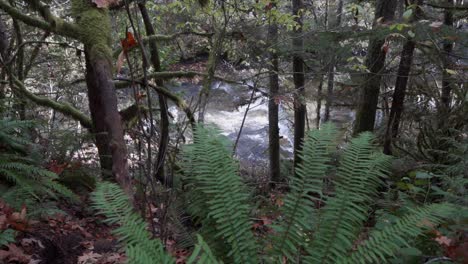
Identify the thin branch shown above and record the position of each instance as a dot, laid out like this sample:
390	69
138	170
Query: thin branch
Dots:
123	83
456	7
58	26
63	108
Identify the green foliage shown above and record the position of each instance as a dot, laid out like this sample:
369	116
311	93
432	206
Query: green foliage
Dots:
218	200
21	171
306	188
341	220
218	197
202	254
26	183
383	244
111	201
140	248
6	237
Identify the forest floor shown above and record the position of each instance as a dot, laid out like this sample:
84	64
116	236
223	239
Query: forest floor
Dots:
74	236
77	235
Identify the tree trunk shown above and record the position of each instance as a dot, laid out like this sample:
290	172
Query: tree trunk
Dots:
273	117
369	99
446	78
164	140
19	104
399	94
96	34
319	102
330	84
331	67
4	44
299	82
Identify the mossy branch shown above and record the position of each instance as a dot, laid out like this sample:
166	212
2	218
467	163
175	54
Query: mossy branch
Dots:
63	108
123	83
53	24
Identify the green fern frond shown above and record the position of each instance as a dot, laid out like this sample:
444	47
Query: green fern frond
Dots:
306	187
110	200
218	196
385	243
11	133
202	254
7	236
343	216
18	168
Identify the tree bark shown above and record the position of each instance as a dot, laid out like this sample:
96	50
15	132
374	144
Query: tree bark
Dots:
299	82
447	48
399	94
319	102
331	68
93	29
164	115
273	117
330	85
108	130
375	61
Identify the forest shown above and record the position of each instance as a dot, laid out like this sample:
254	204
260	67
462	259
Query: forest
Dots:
233	131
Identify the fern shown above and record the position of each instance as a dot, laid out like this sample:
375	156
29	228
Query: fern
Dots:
202	254
306	187
28	184
21	171
343	216
219	198
331	234
383	244
111	201
6	237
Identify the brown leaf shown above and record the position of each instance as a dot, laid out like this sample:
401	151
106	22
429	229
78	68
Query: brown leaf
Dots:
14	255
443	240
105	3
27	242
89	258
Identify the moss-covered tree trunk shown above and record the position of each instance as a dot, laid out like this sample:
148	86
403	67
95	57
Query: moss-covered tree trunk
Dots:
92	28
96	36
375	61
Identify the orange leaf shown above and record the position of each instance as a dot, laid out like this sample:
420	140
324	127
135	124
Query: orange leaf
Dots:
128	42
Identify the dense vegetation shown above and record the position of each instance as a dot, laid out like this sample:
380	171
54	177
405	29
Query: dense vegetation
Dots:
233	131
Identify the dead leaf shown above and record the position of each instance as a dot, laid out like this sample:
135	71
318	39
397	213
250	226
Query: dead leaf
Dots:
89	258
28	242
105	3
14	254
443	240
385	47
128	42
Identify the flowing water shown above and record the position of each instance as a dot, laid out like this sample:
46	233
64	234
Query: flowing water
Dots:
226	109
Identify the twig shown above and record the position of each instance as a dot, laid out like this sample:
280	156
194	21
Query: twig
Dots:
243	121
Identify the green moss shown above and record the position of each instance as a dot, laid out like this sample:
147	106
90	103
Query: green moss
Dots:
95	28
